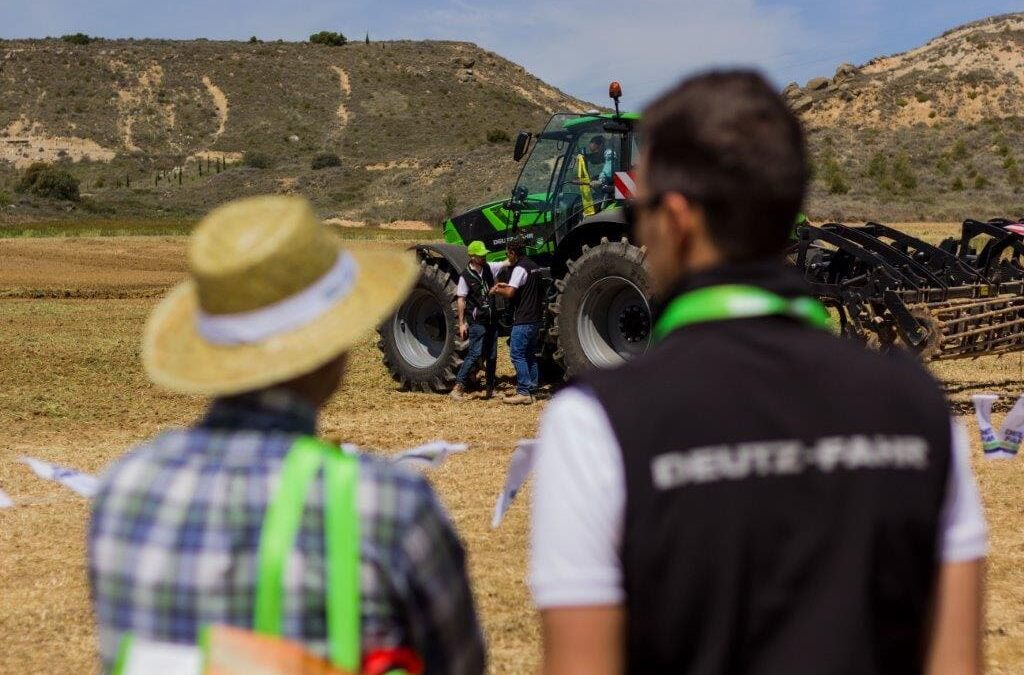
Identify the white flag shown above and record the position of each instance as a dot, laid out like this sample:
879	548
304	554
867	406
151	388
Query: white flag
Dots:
519	468
5	501
82	483
1013	429
429	455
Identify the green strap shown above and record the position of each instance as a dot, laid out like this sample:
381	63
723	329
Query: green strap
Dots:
280	528
720	303
341	534
341	523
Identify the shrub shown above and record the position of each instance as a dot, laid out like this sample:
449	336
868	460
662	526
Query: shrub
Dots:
78	39
498	136
257	160
878	166
5	199
329	38
324	160
835	181
921	97
49	182
942	166
959	152
958	184
980	183
254	40
904	174
449	205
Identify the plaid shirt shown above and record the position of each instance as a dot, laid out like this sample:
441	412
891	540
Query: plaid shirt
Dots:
175	531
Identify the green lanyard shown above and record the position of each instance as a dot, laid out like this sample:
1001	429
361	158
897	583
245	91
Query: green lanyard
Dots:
341	540
720	303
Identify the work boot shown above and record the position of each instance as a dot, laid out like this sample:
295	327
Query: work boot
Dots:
458	393
518	399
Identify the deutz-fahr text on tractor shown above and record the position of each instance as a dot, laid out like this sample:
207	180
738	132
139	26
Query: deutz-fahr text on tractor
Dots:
567	209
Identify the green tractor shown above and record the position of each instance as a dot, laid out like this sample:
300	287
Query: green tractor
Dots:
567	207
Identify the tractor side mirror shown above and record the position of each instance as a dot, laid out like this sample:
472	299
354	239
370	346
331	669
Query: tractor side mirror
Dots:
522	142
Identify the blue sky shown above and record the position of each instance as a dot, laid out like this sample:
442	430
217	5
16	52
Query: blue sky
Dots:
576	45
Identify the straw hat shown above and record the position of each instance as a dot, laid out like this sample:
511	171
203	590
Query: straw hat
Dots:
271	296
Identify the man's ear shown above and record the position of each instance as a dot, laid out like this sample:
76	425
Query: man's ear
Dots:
683	220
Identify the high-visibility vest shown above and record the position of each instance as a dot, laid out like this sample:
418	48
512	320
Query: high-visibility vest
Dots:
583	178
232	651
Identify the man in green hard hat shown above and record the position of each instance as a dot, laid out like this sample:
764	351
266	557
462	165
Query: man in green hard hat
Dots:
477	319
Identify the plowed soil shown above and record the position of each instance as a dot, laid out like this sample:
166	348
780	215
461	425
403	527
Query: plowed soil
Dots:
72	391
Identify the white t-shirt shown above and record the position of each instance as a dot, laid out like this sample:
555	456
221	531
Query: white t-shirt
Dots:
518	278
579	497
462	290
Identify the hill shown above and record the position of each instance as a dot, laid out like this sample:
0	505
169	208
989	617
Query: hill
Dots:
934	133
421	128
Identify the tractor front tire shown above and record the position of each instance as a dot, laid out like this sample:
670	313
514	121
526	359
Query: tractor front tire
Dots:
602	314
419	342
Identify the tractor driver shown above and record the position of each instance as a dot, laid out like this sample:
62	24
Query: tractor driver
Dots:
601	166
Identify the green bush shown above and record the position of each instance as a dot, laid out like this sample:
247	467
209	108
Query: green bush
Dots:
257	160
904	174
980	183
878	166
498	136
254	40
329	38
833	176
921	97
958	185
45	180
5	199
78	39
324	160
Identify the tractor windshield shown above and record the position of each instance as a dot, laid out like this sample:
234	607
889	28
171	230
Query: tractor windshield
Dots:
545	161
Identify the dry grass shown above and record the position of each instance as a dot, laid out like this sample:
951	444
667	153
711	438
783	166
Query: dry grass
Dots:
71	391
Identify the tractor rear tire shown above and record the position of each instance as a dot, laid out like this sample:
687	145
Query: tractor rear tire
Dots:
602	313
419	342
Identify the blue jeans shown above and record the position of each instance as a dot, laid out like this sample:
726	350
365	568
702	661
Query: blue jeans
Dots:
482	340
523	346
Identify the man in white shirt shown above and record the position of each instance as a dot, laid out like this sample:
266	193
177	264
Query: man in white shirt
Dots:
754	495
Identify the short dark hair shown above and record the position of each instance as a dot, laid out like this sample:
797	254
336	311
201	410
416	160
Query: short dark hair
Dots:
516	245
599	140
727	141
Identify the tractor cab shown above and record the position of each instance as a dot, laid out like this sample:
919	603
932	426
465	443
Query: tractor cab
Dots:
578	166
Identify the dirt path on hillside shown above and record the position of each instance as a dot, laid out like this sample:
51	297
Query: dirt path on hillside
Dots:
220	101
346	91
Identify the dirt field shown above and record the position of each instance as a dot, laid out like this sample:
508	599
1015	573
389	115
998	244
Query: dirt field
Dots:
72	391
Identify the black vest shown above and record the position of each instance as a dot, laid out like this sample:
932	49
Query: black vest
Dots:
530	296
784	488
479	304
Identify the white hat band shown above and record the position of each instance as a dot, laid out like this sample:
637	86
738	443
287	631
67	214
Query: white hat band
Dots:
285	315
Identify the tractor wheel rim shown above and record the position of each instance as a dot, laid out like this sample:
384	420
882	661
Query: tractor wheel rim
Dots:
420	329
614	322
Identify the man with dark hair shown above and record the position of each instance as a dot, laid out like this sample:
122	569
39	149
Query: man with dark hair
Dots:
526	287
600	164
755	494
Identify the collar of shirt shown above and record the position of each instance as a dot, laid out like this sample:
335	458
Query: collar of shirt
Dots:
269	410
772	275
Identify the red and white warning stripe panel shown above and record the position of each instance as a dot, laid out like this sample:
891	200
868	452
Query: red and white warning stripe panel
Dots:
625	184
1016	228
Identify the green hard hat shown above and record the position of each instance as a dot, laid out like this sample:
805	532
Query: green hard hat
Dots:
477	248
